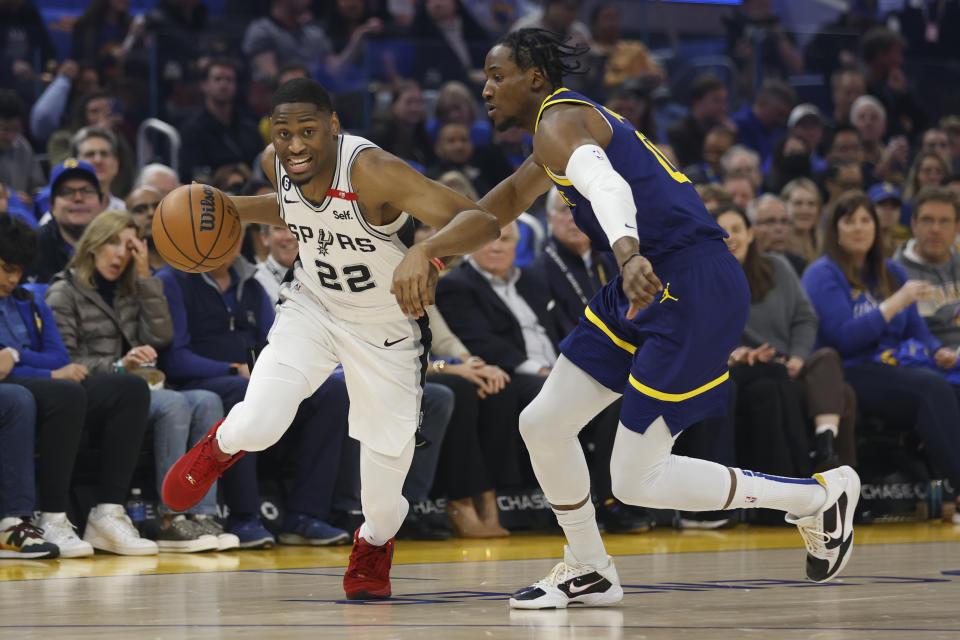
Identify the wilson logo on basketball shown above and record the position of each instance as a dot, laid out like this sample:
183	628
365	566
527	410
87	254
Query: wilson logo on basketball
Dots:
208	207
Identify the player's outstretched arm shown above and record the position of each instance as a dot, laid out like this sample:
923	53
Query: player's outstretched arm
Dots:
516	193
261	209
390	184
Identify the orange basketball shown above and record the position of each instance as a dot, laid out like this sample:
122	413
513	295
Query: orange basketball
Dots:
196	228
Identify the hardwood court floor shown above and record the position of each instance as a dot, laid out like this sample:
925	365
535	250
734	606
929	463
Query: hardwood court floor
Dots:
903	581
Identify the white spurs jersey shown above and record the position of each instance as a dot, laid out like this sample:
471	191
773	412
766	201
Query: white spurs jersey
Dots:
344	260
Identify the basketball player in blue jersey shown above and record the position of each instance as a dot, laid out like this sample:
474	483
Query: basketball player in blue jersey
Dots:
349	204
659	335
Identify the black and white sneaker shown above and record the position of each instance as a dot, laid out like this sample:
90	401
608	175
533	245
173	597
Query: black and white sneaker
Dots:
571	583
828	534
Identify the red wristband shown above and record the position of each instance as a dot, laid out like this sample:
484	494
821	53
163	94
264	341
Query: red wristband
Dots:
438	263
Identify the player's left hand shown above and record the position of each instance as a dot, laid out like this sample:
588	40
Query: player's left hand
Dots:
640	284
945	358
414	283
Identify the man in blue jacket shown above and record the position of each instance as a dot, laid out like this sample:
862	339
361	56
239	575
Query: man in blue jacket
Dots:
220	319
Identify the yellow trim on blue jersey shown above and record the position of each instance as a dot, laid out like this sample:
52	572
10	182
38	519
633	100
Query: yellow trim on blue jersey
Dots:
543	105
560	181
623	344
676	397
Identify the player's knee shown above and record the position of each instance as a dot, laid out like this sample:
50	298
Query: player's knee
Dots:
635	489
535	423
248	429
633	480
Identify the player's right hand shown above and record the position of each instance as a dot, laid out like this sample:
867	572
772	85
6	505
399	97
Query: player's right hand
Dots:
640	284
414	283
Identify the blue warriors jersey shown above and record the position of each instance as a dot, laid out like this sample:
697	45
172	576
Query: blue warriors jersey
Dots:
670	213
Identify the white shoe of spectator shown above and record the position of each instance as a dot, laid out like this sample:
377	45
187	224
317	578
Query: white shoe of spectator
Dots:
110	529
58	529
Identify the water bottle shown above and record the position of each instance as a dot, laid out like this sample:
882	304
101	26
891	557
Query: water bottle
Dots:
935	499
136	508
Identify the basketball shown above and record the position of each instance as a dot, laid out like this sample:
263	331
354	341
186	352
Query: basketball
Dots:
196	228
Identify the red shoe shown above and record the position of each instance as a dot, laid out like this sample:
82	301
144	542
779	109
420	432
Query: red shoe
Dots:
189	479
368	576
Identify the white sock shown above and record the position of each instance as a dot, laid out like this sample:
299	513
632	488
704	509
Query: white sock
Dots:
796	496
10	521
583	535
822	428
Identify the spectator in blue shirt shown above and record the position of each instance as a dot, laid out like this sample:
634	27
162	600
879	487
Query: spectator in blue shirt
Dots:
761	124
867	311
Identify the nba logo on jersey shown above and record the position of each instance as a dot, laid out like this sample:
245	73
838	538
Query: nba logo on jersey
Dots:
598	154
324	240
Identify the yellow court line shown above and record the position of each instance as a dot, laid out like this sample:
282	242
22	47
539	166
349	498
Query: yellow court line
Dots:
519	546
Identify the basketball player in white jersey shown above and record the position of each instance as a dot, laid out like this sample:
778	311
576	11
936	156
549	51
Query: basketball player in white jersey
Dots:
350	205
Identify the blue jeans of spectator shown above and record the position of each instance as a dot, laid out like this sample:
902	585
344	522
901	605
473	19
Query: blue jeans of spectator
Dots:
180	419
18	417
311	448
437	407
917	397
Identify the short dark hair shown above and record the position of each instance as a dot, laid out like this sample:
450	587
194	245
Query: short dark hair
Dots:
839	73
221	61
704	84
834	167
18	242
879	40
292	65
302	90
830	137
544	50
776	90
936	194
11	106
600	7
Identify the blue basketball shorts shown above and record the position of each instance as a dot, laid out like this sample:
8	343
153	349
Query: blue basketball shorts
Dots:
671	359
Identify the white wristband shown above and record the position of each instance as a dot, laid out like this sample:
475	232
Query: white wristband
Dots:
609	194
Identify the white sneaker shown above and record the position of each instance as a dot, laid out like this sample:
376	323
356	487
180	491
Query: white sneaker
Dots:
60	531
571	583
828	534
110	529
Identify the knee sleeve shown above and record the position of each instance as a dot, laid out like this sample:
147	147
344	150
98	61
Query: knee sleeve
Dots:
569	399
637	462
644	472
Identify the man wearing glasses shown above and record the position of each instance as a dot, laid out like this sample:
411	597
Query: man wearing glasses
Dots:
75	200
772	224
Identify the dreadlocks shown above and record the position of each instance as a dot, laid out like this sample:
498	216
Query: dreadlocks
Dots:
544	50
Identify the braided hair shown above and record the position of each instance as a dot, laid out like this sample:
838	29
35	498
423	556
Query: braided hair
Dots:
544	50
